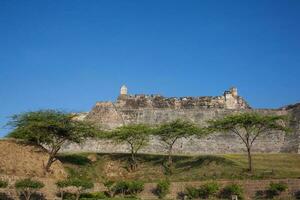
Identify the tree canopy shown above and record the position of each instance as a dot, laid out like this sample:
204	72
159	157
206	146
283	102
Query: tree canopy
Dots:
135	135
249	126
50	129
170	132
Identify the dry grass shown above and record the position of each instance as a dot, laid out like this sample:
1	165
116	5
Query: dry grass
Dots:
20	159
186	168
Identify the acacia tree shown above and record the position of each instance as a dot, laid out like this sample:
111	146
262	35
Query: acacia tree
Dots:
28	187
78	184
248	127
50	129
170	132
136	136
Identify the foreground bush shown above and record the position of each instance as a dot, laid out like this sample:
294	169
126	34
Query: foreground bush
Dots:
209	189
128	187
191	192
162	188
80	185
28	187
3	183
276	189
232	189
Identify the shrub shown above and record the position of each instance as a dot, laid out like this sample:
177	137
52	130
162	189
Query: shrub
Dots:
128	187
3	183
94	195
232	189
162	188
191	192
276	188
80	184
28	187
209	189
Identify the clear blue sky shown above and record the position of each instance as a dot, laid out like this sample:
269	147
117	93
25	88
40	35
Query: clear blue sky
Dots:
68	54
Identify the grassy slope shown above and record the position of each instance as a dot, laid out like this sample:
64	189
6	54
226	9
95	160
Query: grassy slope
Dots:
186	168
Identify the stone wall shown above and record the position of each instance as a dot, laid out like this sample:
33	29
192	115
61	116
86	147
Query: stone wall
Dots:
110	117
156	109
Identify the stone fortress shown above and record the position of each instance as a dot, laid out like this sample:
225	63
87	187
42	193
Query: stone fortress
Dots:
155	109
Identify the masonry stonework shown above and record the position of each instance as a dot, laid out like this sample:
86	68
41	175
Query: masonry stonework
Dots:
155	109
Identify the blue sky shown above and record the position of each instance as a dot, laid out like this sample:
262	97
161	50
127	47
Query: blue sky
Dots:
69	54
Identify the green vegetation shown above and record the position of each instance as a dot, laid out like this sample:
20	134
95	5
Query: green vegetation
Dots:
162	188
170	132
208	190
205	191
248	127
186	168
52	128
276	188
28	187
80	184
191	192
130	188
3	183
232	189
136	136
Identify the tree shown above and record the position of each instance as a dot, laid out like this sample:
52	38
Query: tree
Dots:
170	132
136	136
27	187
79	185
50	128
248	127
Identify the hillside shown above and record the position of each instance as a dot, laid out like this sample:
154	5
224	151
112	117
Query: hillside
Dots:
21	159
100	167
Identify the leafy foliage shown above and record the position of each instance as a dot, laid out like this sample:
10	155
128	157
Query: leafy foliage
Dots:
163	188
170	132
249	126
276	188
28	187
28	184
232	189
209	189
191	192
80	183
3	183
128	187
136	136
50	128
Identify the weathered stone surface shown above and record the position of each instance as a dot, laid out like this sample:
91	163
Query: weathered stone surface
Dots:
155	109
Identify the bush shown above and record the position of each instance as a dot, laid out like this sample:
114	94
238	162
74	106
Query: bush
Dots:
128	187
3	183
276	188
84	184
28	187
162	188
233	189
28	184
191	192
209	189
78	183
95	195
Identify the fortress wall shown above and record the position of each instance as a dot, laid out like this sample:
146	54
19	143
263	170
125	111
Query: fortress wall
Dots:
109	116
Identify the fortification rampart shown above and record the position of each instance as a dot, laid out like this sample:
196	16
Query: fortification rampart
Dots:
156	109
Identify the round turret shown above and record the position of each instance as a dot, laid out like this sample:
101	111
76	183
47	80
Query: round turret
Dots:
123	90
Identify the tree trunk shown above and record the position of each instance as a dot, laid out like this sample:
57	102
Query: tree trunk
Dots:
27	195
249	159
49	163
170	161
77	195
133	164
